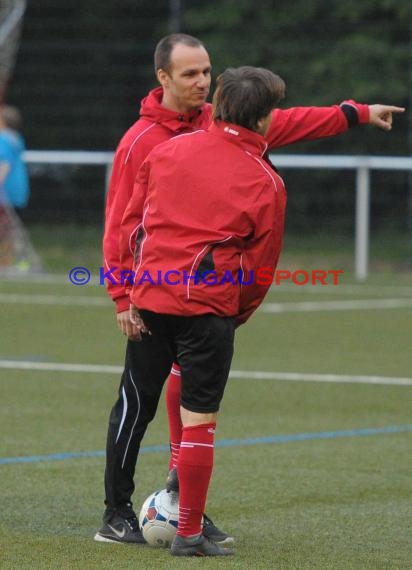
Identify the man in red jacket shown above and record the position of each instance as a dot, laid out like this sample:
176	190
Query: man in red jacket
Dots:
209	212
177	107
183	69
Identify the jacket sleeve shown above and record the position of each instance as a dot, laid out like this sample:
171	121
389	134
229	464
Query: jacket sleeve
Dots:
120	190
131	227
310	123
261	254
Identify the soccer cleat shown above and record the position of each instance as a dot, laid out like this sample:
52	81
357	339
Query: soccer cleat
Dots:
120	529
172	482
212	532
197	546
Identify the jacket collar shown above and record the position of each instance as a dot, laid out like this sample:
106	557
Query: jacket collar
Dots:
249	140
152	109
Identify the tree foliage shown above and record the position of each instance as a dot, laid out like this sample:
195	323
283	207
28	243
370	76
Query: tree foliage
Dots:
84	66
326	50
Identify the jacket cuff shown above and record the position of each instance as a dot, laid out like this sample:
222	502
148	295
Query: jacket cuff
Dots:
355	113
363	114
122	304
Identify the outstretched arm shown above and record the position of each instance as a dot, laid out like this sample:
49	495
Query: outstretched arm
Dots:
298	124
289	126
382	115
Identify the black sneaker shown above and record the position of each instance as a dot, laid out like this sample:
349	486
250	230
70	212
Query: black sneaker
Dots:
172	482
212	532
197	546
120	529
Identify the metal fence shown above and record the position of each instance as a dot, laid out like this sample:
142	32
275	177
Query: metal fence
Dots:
362	165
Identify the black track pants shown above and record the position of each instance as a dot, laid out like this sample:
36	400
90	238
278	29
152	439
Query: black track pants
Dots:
147	365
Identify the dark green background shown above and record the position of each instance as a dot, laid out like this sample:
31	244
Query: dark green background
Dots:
83	67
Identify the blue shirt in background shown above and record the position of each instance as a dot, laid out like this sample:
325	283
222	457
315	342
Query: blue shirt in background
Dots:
15	189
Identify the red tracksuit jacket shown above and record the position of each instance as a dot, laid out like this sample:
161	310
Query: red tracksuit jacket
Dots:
157	124
213	215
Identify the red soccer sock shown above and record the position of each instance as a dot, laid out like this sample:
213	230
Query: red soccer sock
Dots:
194	467
173	389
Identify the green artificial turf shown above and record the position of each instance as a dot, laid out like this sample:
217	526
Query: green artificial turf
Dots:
319	498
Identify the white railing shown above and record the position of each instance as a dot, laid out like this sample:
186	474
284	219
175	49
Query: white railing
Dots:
361	164
83	157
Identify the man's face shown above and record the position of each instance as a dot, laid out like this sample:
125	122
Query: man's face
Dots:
187	85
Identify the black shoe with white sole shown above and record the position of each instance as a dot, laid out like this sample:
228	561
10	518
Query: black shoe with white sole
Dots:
212	532
120	529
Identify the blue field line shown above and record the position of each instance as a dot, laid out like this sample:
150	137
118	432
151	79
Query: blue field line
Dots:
223	443
311	436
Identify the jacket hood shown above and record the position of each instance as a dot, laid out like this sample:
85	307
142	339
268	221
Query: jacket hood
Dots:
152	109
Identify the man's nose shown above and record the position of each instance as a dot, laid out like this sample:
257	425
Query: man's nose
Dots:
202	80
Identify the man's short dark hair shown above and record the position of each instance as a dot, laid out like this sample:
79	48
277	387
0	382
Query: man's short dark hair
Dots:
165	46
244	95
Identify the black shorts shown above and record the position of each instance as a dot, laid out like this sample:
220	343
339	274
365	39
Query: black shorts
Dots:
203	347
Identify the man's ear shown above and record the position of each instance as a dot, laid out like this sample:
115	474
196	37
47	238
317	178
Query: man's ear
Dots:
259	125
263	124
163	77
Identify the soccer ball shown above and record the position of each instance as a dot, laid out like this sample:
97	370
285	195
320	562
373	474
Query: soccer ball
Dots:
158	518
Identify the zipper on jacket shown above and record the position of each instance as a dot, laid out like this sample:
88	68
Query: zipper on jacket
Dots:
208	248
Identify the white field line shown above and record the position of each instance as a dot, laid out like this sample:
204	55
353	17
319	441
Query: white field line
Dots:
235	374
60	367
347	289
353	289
356	305
63	300
303	306
42	278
